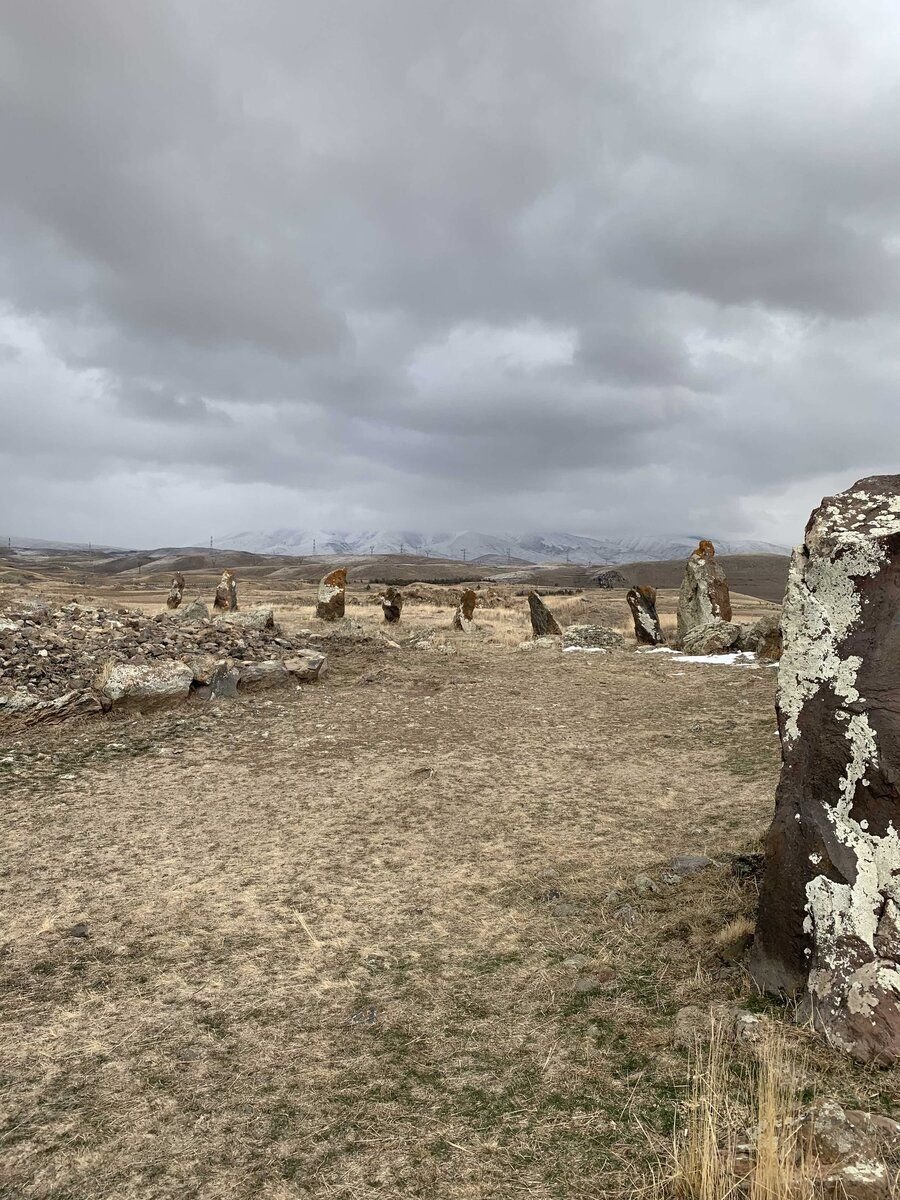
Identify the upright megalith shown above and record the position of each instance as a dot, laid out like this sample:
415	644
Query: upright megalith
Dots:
704	597
543	622
226	593
332	595
829	917
391	604
642	602
464	617
176	592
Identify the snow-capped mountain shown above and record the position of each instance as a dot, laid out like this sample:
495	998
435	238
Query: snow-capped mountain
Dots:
470	545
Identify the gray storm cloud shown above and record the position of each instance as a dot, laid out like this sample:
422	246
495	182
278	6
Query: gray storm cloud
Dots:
591	266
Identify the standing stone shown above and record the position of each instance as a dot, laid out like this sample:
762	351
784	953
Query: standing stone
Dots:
332	595
391	605
829	917
704	596
176	592
642	602
543	622
464	617
226	593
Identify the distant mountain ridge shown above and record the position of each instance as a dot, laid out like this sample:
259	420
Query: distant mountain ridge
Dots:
473	546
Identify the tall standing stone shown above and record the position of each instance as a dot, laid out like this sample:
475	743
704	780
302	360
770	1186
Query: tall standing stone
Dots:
704	597
176	592
829	917
543	622
464	617
332	595
642	602
226	593
391	605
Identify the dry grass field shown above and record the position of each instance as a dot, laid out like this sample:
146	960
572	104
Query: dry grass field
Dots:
384	936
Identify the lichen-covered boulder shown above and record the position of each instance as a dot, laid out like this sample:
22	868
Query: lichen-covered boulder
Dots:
764	638
176	592
391	604
642	602
226	593
145	686
269	673
332	595
830	898
719	637
704	597
195	611
261	617
543	622
592	637
464	617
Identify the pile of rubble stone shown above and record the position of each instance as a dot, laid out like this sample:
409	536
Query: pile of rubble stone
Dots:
57	661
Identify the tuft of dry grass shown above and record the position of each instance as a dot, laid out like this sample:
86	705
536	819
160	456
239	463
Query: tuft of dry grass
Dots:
729	1100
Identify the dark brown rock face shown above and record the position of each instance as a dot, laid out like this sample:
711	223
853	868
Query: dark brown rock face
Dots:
176	592
226	593
464	617
828	919
392	605
704	596
543	622
647	629
332	595
764	638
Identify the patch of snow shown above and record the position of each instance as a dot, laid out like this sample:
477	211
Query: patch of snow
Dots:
583	650
740	658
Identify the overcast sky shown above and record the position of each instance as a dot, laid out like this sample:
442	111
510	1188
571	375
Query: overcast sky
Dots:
486	264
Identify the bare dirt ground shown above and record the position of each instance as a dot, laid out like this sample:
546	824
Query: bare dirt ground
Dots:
379	936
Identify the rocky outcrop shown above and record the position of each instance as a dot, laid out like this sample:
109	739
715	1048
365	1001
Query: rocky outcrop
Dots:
704	597
464	617
592	637
332	595
719	637
647	629
176	592
391	604
226	593
49	667
543	622
764	638
611	579
829	917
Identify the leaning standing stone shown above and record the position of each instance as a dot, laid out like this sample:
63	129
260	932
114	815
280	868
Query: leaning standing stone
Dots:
176	592
543	622
704	596
642	602
464	617
332	595
829	918
391	605
226	593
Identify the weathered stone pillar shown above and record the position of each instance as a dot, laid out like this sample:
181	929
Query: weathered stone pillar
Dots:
642	602
392	605
704	598
332	595
464	617
543	622
226	593
176	592
829	918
